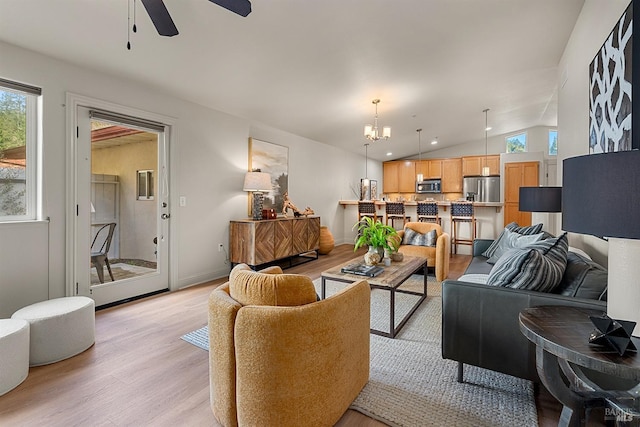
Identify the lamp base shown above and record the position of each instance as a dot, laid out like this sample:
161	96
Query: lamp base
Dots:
256	210
623	292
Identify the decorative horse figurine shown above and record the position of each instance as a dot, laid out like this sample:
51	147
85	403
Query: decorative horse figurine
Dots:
288	204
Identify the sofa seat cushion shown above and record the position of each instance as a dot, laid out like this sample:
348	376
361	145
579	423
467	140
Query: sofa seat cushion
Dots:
480	279
269	287
515	228
412	237
478	265
537	267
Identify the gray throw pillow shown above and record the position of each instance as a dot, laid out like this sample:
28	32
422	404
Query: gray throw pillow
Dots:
514	227
537	267
511	240
412	237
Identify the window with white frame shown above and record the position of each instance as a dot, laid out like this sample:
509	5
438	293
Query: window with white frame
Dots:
517	143
18	151
145	185
553	142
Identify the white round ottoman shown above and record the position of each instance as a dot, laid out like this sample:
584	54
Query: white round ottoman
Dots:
14	353
60	328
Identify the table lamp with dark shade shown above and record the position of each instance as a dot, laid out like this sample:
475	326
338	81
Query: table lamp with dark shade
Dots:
540	199
601	197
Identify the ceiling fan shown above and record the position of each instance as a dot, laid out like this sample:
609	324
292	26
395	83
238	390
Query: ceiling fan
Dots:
164	24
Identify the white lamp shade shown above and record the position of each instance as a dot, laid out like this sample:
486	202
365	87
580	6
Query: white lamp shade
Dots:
368	130
386	132
486	171
257	181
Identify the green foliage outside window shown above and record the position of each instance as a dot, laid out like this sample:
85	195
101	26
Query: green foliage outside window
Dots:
553	142
13	134
13	120
517	143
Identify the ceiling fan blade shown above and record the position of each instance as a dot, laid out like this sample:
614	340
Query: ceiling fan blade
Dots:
160	17
241	7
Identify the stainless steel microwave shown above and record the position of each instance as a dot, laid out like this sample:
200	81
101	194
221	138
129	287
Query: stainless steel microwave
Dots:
428	186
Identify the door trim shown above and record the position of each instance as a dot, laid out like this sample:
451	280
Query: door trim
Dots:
73	101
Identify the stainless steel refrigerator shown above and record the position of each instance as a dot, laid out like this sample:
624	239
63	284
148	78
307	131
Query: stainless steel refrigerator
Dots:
482	188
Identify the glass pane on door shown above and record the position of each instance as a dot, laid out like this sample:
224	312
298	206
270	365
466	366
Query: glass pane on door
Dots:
124	211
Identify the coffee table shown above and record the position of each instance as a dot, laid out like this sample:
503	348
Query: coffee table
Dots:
389	280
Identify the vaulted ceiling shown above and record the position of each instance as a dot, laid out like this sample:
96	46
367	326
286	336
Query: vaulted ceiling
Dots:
312	68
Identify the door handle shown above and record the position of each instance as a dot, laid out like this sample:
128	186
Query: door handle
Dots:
165	216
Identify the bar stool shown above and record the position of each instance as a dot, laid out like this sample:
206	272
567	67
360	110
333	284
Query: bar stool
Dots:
393	211
367	208
428	212
462	212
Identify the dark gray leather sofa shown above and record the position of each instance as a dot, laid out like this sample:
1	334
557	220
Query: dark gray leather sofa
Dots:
480	322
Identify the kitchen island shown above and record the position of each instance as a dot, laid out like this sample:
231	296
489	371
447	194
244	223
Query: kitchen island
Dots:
489	218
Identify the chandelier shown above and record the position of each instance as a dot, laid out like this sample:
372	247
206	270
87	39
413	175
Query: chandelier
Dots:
371	132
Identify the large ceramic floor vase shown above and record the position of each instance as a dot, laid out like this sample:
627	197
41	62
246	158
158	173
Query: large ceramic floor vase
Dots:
326	241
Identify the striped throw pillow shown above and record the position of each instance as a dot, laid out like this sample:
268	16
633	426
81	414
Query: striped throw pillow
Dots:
537	267
412	237
515	228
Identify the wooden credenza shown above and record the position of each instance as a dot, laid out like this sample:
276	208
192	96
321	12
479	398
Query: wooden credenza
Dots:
259	242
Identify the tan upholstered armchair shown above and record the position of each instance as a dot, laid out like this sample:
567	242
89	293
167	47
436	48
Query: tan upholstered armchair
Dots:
437	256
278	357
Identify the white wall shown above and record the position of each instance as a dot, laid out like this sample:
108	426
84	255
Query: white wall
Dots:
537	140
210	152
594	24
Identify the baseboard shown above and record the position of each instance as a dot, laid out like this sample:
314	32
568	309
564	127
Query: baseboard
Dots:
202	278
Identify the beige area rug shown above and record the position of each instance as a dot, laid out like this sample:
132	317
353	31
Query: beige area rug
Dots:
380	300
411	385
120	271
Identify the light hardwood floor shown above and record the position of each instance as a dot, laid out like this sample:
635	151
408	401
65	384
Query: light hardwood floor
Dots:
140	372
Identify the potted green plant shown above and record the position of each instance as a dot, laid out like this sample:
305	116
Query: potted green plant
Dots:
394	241
375	234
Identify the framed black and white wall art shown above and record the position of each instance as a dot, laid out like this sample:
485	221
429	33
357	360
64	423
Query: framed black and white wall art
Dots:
610	83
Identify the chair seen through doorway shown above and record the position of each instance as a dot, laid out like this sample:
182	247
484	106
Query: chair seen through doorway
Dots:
100	250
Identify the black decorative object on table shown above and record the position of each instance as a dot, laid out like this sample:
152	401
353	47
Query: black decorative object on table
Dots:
612	333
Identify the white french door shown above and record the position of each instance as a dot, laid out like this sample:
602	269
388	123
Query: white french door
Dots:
120	177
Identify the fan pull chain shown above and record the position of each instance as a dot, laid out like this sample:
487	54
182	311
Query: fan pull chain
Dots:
135	29
128	24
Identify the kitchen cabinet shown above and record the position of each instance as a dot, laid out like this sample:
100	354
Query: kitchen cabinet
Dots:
516	175
407	176
259	242
472	165
430	169
390	177
399	176
494	164
452	175
435	169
